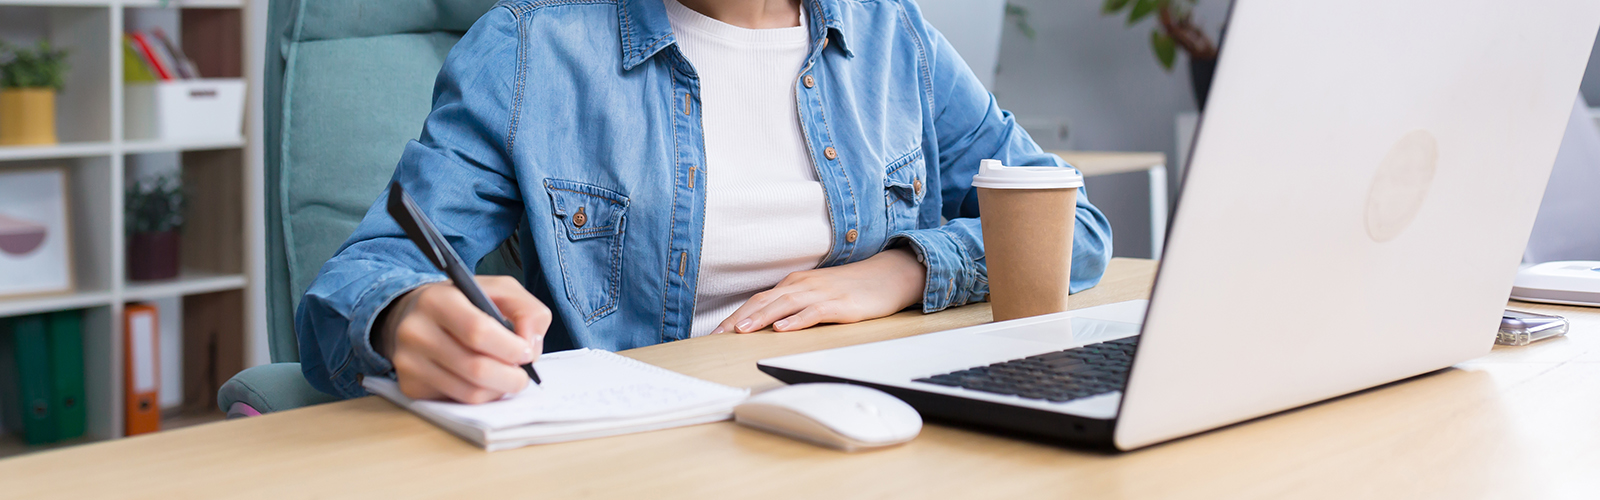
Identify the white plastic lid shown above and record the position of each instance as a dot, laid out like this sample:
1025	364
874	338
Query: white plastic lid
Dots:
993	175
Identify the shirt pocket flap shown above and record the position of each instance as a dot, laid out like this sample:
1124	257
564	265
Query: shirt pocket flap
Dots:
587	211
903	177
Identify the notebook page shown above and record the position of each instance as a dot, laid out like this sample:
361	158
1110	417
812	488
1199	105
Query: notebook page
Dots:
590	385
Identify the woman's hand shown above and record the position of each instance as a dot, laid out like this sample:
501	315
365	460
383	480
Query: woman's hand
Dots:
443	347
879	286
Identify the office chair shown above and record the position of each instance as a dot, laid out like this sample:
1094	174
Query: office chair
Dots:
348	82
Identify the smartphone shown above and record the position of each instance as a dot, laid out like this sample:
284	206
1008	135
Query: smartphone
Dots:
1523	328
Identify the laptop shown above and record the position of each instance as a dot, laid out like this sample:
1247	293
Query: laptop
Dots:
1361	189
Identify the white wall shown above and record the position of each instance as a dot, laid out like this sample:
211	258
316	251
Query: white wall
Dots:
1100	78
1591	80
973	28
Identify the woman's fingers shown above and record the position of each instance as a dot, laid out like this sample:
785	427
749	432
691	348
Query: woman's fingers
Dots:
477	369
779	308
453	350
756	302
820	312
422	379
480	370
472	328
530	317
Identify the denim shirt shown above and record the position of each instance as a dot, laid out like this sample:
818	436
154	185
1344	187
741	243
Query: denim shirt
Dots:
579	121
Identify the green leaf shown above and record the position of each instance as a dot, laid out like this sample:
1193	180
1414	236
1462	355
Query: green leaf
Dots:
1019	14
1141	10
1112	6
44	66
1166	49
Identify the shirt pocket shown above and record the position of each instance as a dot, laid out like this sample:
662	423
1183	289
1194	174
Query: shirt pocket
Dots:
590	224
903	190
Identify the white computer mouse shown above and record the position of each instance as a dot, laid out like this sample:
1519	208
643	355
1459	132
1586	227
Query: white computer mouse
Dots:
843	416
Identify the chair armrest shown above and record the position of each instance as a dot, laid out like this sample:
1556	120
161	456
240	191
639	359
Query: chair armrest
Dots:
268	388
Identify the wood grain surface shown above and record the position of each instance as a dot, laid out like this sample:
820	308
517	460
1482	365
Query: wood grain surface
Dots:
1517	423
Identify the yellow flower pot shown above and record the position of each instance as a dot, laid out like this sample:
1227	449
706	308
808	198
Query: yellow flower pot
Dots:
27	116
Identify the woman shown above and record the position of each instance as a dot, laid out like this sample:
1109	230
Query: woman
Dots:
678	170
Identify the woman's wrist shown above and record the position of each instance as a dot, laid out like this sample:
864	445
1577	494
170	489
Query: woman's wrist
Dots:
906	269
388	321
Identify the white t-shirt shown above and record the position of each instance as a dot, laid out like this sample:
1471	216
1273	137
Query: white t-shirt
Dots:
766	213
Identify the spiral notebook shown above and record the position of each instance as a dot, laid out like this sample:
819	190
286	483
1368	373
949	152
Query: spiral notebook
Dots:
586	394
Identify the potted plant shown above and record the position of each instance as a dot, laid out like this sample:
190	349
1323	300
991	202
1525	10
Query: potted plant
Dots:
1176	29
154	217
29	80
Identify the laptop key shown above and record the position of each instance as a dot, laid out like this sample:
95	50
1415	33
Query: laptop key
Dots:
1055	376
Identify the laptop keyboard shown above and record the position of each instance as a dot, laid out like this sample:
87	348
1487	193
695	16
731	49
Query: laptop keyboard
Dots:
1056	376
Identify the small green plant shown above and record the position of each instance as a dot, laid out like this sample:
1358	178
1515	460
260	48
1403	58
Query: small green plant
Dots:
155	206
1177	28
43	66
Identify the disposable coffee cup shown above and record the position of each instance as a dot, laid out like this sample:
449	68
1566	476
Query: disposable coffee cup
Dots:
1028	215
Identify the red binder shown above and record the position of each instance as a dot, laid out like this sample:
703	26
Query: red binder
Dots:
142	381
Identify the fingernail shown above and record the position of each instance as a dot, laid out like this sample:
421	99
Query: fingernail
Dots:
527	355
745	324
780	324
719	329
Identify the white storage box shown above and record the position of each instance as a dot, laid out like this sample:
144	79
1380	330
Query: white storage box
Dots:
184	110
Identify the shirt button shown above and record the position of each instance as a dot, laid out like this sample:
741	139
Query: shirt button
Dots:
916	186
809	81
831	153
850	236
580	218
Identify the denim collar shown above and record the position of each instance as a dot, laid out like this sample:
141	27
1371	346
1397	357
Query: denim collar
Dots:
645	29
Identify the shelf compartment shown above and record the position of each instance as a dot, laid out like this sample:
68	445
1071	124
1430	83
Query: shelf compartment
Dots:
84	31
213	233
89	212
188	282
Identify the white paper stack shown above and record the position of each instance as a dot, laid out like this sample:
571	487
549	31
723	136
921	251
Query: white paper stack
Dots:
586	394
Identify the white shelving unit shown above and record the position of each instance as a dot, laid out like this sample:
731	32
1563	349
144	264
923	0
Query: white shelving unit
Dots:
221	258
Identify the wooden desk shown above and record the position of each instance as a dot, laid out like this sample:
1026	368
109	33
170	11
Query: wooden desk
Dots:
1096	163
1518	423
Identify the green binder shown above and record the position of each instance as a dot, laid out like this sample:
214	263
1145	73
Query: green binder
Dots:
66	364
10	418
27	354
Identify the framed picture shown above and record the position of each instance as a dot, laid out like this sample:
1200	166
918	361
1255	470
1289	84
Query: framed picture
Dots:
35	232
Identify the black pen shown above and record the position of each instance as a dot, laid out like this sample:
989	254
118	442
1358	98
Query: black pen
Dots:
433	245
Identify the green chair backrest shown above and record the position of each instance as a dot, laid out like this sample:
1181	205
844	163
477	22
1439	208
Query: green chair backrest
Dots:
348	82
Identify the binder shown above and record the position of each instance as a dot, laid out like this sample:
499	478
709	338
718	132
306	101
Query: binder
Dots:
27	365
10	416
140	378
151	57
10	420
65	343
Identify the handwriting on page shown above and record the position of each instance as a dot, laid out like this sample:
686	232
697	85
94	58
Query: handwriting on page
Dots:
587	386
623	399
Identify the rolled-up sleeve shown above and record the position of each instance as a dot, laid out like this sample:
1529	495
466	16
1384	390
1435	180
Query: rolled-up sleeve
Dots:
970	127
459	172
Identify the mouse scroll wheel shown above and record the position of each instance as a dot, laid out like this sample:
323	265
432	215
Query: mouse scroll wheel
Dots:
868	408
